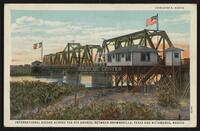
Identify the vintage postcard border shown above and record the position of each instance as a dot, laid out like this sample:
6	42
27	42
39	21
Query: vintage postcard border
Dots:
76	123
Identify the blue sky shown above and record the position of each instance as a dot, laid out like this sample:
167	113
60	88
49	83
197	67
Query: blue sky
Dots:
56	28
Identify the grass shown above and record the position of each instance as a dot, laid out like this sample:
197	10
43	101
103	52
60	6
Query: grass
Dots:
20	71
28	95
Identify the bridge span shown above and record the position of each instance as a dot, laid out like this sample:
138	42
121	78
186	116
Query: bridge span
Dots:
92	59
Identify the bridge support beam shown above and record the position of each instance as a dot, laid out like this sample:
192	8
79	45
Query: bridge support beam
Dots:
145	78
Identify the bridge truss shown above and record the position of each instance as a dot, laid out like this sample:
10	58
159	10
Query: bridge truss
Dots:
81	55
76	55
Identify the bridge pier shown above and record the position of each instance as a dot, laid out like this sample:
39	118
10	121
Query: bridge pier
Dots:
101	79
137	78
72	78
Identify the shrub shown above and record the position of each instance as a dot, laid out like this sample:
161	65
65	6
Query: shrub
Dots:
110	112
166	98
106	111
28	95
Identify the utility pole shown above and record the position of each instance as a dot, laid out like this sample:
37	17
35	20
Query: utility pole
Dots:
157	27
42	52
77	87
157	23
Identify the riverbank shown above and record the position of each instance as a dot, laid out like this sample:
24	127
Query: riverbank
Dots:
91	103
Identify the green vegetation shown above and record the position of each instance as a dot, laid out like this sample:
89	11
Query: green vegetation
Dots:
28	95
20	73
20	70
47	101
94	111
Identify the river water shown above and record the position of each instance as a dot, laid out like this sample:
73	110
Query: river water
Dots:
85	80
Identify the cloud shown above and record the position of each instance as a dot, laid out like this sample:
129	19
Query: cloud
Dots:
55	35
180	18
29	23
22	45
24	59
29	20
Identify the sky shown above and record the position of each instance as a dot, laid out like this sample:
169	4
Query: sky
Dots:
56	28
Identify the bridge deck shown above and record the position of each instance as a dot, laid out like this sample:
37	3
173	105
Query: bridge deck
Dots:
141	69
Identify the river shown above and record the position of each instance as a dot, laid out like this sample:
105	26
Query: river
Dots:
85	80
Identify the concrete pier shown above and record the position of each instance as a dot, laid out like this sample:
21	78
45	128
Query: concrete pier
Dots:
101	80
97	79
72	78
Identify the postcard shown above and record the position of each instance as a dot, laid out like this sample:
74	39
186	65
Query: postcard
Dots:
100	65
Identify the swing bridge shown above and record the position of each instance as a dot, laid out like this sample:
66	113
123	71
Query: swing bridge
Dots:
92	59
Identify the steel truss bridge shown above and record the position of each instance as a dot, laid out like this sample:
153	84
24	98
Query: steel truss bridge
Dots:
84	55
92	58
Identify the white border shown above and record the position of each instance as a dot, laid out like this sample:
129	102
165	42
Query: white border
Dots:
115	7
